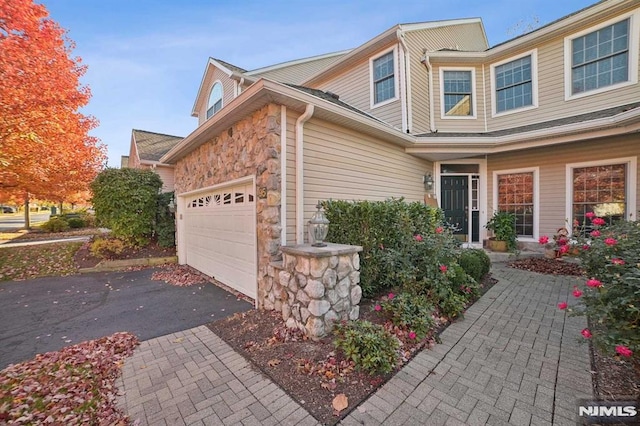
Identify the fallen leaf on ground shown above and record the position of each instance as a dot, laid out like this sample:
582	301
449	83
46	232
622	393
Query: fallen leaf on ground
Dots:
273	362
340	402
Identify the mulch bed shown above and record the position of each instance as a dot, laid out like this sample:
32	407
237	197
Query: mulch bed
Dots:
84	259
547	266
313	373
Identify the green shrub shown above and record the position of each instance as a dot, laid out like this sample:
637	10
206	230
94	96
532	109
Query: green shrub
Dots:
475	263
611	296
76	223
383	229
165	222
371	347
105	248
410	312
55	224
125	200
89	219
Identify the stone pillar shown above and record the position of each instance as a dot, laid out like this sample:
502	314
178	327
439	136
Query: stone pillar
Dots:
316	286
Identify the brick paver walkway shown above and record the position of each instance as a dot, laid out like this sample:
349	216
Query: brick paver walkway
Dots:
514	359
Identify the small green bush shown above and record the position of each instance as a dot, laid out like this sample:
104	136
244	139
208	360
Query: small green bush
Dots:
105	248
76	223
475	263
410	312
56	224
165	222
371	347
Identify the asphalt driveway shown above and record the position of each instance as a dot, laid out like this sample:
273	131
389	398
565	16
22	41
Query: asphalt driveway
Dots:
47	314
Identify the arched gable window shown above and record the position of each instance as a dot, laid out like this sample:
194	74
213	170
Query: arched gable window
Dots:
215	100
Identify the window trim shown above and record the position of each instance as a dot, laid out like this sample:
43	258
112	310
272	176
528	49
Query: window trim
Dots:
632	173
534	83
207	107
536	197
634	46
474	108
395	97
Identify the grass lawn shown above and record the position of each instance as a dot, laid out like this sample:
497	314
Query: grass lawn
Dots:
21	263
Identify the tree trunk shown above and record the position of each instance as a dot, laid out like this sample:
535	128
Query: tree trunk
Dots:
27	215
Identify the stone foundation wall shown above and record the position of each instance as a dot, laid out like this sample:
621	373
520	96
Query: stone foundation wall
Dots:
315	287
251	147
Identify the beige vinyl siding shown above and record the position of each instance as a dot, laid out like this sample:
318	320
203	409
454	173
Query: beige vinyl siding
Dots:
166	174
296	74
342	164
552	163
354	88
470	125
551	91
228	87
466	37
292	116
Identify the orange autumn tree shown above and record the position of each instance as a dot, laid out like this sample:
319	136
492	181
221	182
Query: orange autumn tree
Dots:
45	147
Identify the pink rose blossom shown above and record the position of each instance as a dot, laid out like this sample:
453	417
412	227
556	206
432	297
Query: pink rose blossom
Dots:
624	351
418	237
617	261
586	333
564	249
443	268
543	240
577	293
590	215
598	221
378	308
562	305
391	296
439	230
595	233
610	241
562	241
586	247
594	283
412	335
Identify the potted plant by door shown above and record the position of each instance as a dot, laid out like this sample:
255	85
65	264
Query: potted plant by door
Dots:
503	226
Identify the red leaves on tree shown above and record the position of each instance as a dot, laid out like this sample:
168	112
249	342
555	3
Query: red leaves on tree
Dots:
45	148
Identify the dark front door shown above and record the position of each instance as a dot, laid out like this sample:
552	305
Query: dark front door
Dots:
455	202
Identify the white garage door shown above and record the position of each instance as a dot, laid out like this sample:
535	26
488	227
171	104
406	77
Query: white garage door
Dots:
220	236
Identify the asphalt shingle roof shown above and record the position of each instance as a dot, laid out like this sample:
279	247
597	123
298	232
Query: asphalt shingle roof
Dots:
610	112
152	146
231	66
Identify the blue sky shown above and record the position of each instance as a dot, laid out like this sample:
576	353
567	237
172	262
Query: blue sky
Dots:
146	58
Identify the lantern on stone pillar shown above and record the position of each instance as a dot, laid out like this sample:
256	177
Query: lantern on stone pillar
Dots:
318	227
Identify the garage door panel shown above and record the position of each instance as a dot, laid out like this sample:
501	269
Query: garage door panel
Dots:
221	238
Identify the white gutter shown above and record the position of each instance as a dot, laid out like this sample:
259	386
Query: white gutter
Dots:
283	175
308	112
432	121
405	93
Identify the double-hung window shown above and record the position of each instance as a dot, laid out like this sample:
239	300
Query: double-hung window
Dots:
383	78
514	84
215	100
457	93
515	192
600	58
603	57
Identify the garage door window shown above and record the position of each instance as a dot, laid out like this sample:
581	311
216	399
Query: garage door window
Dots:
240	195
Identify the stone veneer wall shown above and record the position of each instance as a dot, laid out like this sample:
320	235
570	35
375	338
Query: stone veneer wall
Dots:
251	147
314	287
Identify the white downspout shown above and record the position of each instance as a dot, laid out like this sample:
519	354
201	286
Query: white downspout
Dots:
283	175
484	99
432	121
407	107
308	112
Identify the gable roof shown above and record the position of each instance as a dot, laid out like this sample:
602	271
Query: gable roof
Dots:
152	146
298	70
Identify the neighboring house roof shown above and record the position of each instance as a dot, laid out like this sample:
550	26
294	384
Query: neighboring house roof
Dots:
152	146
124	161
581	118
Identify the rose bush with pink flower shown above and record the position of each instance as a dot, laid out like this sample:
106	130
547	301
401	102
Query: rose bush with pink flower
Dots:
610	257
